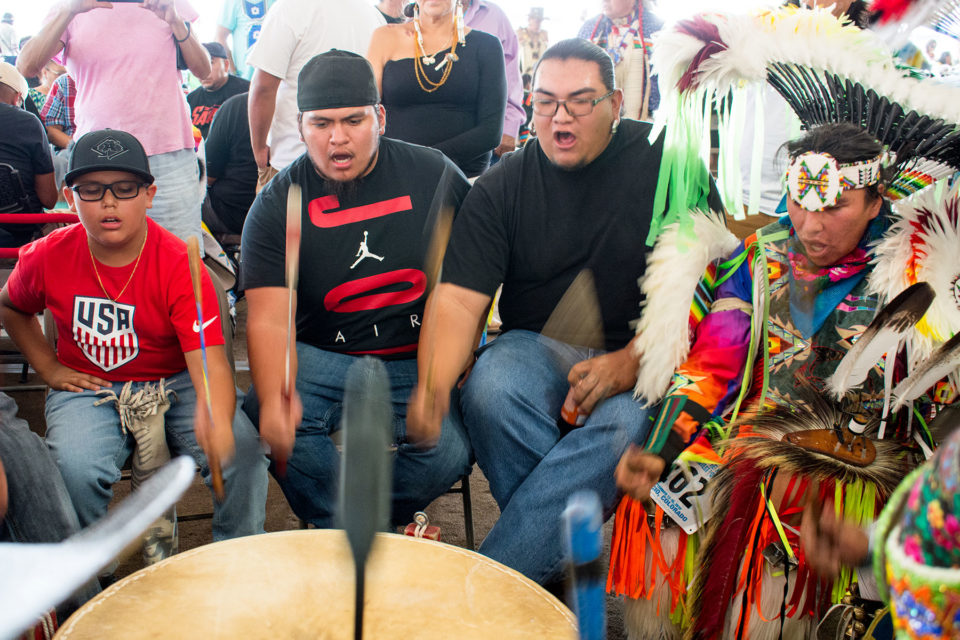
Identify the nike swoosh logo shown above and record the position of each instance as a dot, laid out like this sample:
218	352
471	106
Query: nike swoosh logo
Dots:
196	325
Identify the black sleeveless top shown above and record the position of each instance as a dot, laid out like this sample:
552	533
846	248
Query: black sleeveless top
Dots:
464	117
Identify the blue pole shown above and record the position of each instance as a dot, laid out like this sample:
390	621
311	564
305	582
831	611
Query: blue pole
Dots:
582	522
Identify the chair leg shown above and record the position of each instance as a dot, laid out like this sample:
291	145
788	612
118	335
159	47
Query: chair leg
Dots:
467	511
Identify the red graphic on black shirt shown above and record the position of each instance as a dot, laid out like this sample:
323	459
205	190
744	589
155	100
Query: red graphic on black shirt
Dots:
103	329
362	294
322	212
203	115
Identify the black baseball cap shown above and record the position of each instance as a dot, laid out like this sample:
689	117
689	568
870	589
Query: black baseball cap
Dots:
334	80
108	150
216	50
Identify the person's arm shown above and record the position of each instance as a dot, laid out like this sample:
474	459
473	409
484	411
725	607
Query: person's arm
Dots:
45	186
447	340
57	136
486	133
194	54
514	116
25	331
262	102
217	439
830	543
280	411
41	48
703	386
48	42
222	34
381	48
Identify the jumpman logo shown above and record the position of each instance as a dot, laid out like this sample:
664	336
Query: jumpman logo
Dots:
364	252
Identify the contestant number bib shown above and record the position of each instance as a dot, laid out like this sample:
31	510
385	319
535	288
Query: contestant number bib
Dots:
685	496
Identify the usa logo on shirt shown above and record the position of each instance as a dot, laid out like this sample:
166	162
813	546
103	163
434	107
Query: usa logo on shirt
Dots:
103	329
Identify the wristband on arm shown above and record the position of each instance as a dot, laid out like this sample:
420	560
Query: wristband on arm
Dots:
663	440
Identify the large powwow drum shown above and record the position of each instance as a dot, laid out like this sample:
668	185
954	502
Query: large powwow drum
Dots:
300	584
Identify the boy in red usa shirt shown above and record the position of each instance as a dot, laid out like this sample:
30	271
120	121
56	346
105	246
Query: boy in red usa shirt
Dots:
118	286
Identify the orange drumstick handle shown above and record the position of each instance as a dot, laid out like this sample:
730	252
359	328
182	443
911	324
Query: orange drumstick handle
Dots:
193	259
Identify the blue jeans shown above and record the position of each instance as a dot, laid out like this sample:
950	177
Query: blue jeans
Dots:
510	405
39	505
90	449
176	207
310	483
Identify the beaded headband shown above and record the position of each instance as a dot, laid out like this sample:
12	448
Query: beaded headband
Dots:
816	181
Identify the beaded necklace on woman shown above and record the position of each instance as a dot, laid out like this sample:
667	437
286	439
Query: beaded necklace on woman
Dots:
421	58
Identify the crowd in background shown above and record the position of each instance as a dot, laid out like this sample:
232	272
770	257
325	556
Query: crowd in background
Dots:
461	84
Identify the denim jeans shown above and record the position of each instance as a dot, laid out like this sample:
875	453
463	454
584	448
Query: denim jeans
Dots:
176	207
510	405
310	483
90	449
39	507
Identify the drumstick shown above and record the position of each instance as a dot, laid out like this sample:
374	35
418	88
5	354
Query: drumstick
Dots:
365	473
583	538
432	266
292	263
193	257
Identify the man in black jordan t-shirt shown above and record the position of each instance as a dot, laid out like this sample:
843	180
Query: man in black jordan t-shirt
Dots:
579	196
367	209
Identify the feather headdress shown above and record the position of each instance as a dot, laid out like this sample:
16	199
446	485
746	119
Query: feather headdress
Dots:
945	361
922	246
827	70
882	336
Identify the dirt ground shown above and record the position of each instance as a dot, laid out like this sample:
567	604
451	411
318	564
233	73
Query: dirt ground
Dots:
446	511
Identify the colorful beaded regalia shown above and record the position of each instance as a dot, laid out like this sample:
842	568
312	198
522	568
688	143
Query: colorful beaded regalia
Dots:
828	71
918	544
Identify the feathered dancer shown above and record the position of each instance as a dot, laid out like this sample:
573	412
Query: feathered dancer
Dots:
790	301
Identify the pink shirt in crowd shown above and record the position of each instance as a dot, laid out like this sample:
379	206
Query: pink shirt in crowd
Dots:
124	63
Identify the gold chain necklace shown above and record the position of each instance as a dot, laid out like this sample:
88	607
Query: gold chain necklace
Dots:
422	58
129	280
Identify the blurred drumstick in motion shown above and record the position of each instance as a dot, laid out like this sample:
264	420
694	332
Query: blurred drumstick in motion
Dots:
576	320
433	264
292	271
365	474
196	267
437	248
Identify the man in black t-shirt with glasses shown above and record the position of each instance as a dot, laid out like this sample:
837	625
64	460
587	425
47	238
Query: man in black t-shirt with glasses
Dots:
578	197
366	213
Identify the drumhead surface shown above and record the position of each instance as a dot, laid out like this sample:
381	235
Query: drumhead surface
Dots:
299	584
